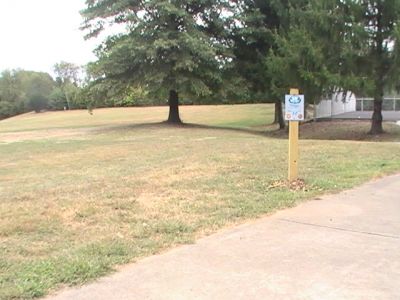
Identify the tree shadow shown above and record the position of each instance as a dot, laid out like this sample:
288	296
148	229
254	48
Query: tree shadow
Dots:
332	130
112	128
323	130
166	125
251	131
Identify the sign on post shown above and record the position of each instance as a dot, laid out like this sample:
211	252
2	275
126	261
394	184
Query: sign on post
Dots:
294	112
294	107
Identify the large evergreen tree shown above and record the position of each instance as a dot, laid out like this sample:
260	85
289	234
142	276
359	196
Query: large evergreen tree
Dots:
379	48
312	55
169	47
259	24
340	45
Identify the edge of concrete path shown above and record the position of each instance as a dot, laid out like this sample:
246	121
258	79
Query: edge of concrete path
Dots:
230	229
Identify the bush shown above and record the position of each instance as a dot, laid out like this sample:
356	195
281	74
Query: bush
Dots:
57	99
38	103
6	109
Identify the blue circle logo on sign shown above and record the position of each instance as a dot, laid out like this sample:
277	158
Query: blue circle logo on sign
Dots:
294	100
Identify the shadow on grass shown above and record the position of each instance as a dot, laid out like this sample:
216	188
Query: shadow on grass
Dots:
354	130
328	130
348	130
166	125
258	131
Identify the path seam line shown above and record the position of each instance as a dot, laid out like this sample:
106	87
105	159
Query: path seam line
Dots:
341	229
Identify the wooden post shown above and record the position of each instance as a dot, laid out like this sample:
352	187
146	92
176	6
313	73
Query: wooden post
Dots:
293	145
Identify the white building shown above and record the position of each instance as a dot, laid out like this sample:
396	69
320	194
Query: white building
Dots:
336	105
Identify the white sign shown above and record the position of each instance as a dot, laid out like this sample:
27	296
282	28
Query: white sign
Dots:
294	107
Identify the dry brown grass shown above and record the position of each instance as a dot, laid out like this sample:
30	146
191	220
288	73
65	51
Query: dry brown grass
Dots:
73	207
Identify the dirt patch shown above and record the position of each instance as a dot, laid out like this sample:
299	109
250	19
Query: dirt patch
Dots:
12	137
351	130
295	185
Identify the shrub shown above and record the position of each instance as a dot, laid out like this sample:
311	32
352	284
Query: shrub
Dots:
38	103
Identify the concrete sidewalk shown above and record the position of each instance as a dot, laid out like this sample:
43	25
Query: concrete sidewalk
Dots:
346	246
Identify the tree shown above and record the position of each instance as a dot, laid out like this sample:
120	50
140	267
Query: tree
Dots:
18	87
297	58
378	22
67	72
35	83
168	48
57	100
12	96
67	77
258	24
6	109
253	38
38	102
300	61
340	45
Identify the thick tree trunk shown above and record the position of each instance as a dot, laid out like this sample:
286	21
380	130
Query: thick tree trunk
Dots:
380	72
377	118
173	102
376	126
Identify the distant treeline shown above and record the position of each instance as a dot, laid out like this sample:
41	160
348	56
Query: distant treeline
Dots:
23	91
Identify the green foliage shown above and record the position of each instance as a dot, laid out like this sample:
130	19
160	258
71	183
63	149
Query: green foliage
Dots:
11	87
74	96
23	90
257	25
307	53
67	72
252	37
336	45
36	83
38	102
57	99
167	45
12	96
7	109
298	62
67	78
135	96
378	42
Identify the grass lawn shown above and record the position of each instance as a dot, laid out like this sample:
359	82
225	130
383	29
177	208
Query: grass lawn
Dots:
81	194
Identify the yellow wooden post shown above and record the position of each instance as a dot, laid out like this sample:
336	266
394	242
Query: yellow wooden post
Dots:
293	145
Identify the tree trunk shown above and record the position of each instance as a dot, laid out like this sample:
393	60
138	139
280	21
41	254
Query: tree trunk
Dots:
276	117
377	118
376	126
380	72
68	100
279	115
173	102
